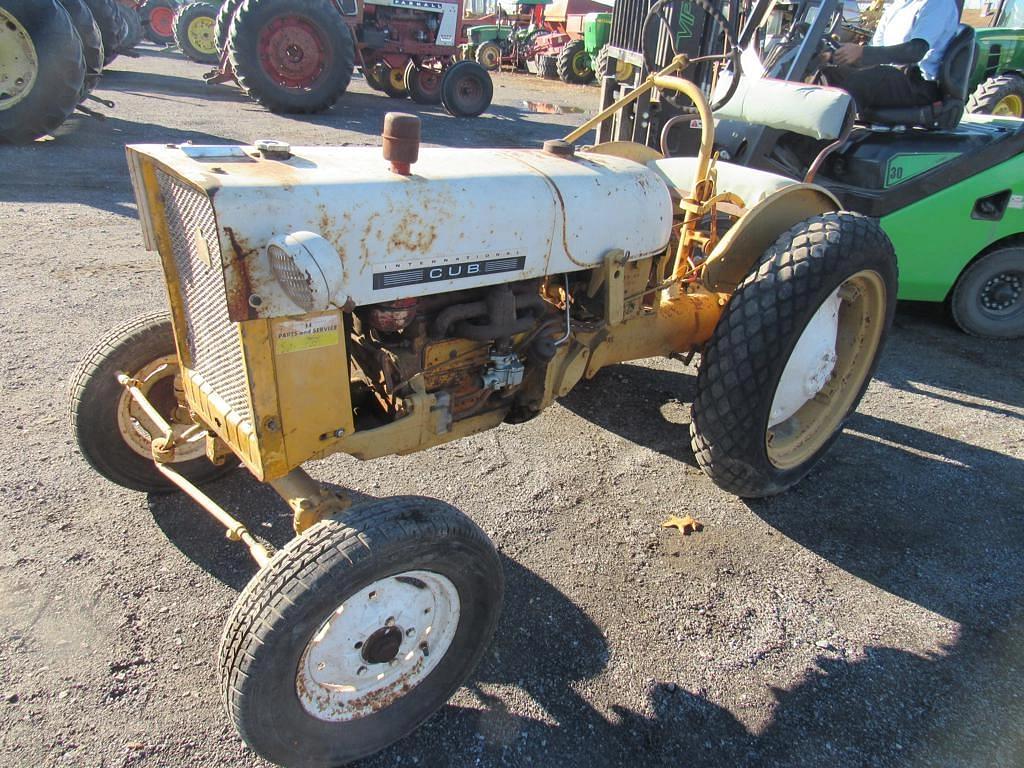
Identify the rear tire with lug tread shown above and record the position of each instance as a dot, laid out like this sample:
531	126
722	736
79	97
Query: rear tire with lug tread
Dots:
547	67
92	41
134	26
310	54
288	646
222	24
193	32
988	298
836	268
109	22
999	95
97	401
573	64
488	55
43	51
623	70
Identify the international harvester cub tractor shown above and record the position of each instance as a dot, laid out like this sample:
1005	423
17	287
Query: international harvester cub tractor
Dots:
299	55
329	299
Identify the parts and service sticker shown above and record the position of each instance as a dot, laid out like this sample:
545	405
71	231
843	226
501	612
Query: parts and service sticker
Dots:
301	335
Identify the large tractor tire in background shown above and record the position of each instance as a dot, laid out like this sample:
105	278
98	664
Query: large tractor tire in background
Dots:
193	32
158	20
623	69
222	24
133	25
1001	95
792	354
488	55
466	89
42	68
292	56
547	67
92	41
573	64
112	26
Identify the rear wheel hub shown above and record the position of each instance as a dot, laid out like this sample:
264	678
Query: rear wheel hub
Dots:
293	52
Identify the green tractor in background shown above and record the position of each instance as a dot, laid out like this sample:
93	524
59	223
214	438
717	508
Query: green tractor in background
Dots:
997	80
507	41
581	59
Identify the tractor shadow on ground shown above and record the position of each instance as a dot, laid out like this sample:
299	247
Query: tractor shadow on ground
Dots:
646	406
201	538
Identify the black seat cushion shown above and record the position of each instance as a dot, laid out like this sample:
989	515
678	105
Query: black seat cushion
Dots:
954	76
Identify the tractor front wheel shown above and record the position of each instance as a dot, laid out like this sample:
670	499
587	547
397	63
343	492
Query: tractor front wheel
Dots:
292	55
193	32
573	64
113	433
424	82
466	89
358	630
988	299
1001	95
793	353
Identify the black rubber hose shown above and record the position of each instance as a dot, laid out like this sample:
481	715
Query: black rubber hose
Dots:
734	50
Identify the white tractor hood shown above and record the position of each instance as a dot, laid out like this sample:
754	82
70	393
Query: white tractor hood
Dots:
463	218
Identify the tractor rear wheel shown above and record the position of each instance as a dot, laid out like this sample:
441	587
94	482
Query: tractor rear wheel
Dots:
222	24
358	630
42	69
623	69
111	26
134	28
1002	95
466	89
193	32
547	67
113	434
92	41
292	55
793	354
393	81
488	55
158	21
424	82
988	298
574	65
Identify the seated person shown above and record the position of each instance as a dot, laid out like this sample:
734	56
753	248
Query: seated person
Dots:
900	66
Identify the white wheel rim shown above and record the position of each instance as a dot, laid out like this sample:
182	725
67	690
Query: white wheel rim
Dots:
19	64
811	363
352	668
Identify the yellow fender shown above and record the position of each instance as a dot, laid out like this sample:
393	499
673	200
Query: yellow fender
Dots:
746	241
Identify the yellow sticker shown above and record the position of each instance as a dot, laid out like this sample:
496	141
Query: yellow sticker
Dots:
301	335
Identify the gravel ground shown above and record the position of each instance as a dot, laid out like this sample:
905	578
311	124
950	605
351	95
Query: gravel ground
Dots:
871	617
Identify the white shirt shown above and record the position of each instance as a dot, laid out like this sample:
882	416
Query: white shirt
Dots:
934	21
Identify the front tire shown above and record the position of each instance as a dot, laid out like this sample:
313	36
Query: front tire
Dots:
466	89
1001	95
158	21
408	589
111	433
793	354
292	56
988	298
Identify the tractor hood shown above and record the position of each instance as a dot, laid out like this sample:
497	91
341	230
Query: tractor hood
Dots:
332	227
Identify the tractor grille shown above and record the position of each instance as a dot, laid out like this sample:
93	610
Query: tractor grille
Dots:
213	341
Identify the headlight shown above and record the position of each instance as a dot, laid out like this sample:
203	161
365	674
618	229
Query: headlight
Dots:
307	268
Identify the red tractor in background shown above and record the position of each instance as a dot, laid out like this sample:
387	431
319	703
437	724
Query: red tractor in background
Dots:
298	56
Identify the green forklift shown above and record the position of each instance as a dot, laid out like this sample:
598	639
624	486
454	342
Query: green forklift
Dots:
947	187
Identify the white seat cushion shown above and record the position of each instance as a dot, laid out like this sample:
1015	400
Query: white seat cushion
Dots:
751	185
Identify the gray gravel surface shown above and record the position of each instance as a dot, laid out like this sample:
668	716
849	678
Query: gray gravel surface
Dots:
871	617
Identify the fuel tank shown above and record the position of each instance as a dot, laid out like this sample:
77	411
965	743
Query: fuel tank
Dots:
462	218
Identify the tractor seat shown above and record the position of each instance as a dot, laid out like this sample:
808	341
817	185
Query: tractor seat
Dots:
749	184
943	115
